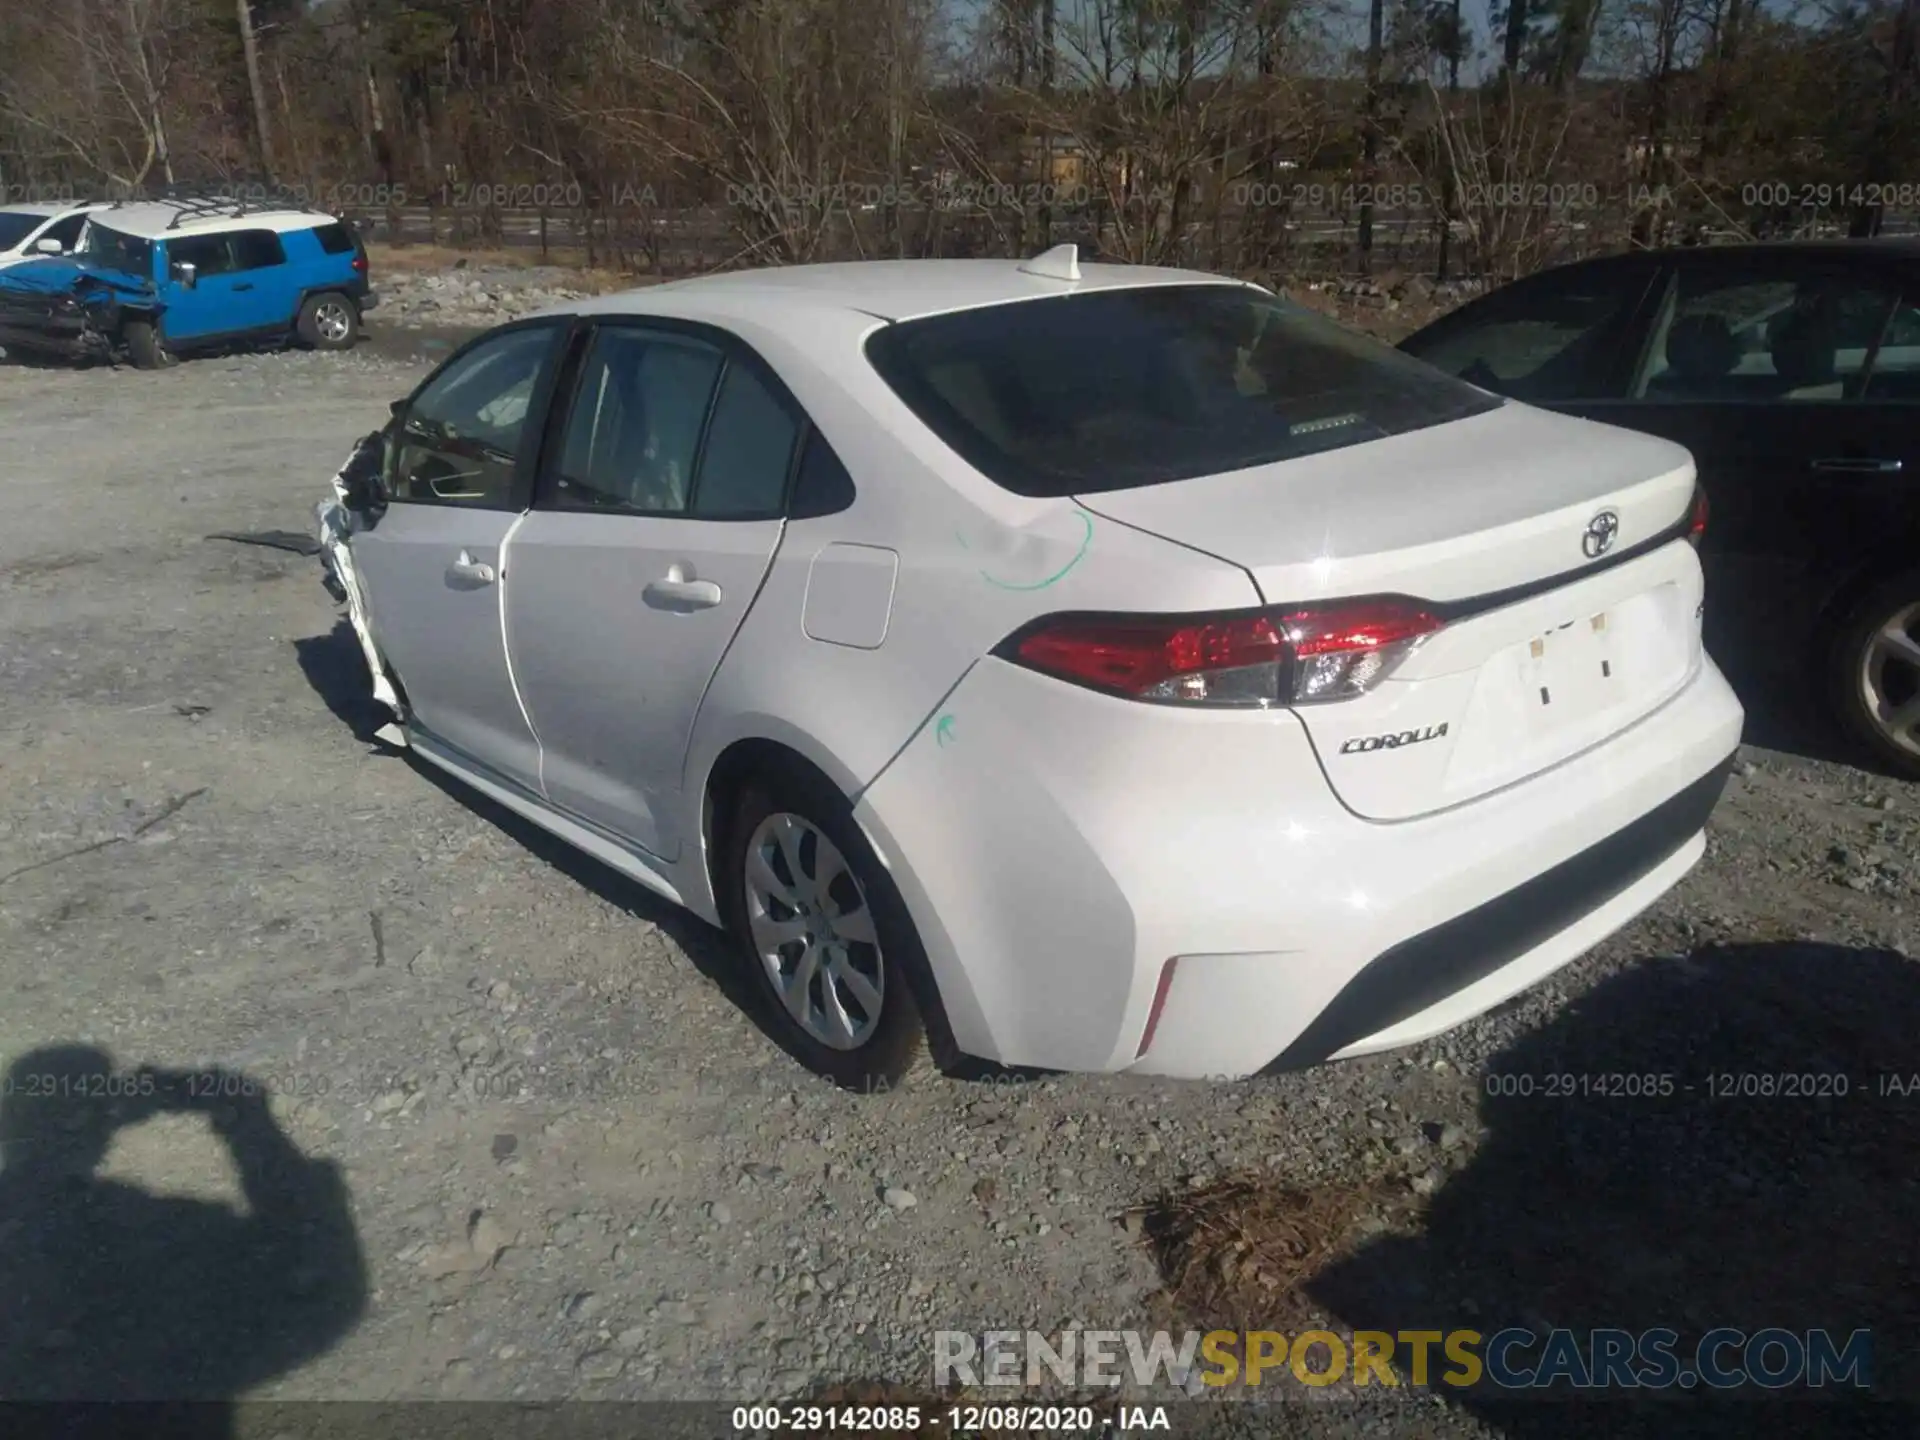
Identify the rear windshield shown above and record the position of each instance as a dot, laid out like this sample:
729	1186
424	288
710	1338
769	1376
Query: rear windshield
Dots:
1119	388
335	239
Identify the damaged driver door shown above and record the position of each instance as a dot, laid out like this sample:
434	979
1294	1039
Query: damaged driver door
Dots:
459	472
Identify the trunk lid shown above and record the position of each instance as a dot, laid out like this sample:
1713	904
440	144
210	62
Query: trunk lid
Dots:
1548	649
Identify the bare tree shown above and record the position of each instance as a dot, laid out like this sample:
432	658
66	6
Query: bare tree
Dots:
255	90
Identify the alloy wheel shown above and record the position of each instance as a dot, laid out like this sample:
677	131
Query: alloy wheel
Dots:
1890	678
813	931
331	321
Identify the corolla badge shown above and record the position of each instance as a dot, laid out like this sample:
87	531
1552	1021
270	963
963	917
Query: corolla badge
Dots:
1600	534
1363	744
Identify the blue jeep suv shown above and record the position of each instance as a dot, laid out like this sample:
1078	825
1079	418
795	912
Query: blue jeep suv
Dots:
155	280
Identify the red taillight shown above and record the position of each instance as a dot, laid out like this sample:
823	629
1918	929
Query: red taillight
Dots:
1343	651
1235	660
1232	660
360	264
1697	525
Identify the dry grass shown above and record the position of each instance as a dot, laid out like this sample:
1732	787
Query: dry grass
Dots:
1391	325
1235	1253
434	259
1386	323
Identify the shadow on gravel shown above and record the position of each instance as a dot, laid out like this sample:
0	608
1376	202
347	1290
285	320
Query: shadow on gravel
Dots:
1606	1207
110	1293
709	949
1784	712
336	668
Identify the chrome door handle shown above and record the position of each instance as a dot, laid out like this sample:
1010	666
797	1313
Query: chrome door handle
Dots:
677	592
467	573
1858	465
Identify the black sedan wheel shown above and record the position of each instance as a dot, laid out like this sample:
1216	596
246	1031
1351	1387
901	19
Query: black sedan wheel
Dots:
1875	675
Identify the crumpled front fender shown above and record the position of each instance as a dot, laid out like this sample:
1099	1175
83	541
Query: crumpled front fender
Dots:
337	521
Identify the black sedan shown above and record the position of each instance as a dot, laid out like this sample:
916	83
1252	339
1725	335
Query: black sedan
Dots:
1792	372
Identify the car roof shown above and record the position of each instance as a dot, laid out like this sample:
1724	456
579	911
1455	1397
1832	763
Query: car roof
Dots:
887	289
161	219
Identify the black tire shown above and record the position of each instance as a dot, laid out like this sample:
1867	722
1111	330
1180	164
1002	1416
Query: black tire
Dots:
145	346
1848	659
330	321
897	1041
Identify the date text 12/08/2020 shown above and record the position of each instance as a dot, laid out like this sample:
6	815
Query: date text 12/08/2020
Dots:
1717	1085
960	1421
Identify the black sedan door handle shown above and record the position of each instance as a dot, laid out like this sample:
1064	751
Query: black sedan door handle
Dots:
244	285
1858	465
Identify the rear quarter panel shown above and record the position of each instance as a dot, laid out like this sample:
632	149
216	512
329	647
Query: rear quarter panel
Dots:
974	564
310	270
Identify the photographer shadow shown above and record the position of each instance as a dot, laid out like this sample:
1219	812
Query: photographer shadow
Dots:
111	1294
1767	1181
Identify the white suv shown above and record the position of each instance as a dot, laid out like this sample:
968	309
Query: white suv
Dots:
35	232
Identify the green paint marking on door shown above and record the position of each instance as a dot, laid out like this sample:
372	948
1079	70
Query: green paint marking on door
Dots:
1058	575
943	730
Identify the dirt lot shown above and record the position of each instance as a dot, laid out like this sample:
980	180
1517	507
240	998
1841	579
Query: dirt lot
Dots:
532	1116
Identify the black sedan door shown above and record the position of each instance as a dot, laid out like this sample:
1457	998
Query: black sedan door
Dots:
1772	369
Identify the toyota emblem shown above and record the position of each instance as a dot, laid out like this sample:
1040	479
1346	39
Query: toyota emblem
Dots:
1600	534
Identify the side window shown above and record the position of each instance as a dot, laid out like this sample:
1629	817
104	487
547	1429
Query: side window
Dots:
66	231
743	471
1896	366
633	431
1762	336
208	254
458	441
335	239
257	249
1550	339
823	486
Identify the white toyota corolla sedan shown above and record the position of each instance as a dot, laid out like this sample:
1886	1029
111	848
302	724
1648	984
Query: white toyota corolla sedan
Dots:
1087	667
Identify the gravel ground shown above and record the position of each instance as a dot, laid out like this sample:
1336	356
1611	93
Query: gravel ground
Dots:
530	1101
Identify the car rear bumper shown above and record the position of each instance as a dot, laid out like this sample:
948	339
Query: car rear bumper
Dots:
1058	848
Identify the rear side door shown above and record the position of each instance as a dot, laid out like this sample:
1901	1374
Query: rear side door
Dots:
459	467
658	510
1765	368
264	293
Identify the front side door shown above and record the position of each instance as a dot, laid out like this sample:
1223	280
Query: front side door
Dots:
1774	374
460	460
657	512
210	306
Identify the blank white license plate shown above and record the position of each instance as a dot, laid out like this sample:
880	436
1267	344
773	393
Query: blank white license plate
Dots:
1575	669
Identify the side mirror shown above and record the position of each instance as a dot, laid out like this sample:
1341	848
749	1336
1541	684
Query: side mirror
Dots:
47	245
186	273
